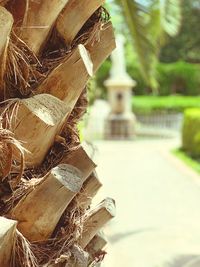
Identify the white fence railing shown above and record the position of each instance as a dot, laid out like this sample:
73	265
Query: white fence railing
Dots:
168	121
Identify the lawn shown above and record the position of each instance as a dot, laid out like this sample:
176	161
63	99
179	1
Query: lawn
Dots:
164	104
191	162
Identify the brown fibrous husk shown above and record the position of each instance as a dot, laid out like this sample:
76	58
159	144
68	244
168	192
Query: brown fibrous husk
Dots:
11	151
3	2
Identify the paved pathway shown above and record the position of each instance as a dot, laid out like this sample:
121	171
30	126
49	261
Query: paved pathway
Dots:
158	205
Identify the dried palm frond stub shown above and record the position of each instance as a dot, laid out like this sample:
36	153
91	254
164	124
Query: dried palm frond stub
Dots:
96	249
46	112
56	191
64	248
74	13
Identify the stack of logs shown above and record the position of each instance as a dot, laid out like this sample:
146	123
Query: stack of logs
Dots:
48	51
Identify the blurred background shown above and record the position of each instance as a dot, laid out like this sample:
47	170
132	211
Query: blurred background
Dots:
144	122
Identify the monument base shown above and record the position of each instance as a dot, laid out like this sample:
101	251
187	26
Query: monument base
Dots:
120	127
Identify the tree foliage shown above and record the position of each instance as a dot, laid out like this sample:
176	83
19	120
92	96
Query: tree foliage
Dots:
186	45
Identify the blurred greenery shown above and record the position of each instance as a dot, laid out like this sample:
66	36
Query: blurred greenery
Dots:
81	126
179	77
149	22
174	73
191	132
186	45
173	78
192	163
164	104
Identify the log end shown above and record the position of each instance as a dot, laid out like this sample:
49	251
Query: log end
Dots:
46	107
69	176
109	205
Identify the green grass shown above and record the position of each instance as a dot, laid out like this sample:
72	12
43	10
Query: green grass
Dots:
165	104
190	162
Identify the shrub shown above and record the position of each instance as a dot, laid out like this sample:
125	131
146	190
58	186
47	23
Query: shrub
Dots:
191	132
164	104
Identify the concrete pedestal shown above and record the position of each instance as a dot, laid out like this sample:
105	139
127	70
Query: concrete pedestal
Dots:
120	122
120	127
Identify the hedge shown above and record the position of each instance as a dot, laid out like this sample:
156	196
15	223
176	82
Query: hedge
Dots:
165	104
191	132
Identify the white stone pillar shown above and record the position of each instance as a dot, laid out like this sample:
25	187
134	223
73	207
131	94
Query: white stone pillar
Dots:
120	122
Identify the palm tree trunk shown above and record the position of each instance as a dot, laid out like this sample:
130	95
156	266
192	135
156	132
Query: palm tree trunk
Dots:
49	50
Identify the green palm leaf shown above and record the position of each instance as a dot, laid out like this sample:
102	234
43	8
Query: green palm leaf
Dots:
134	14
171	16
148	24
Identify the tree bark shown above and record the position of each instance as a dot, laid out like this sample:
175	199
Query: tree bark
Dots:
74	16
39	19
41	212
7	237
50	197
96	219
36	124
